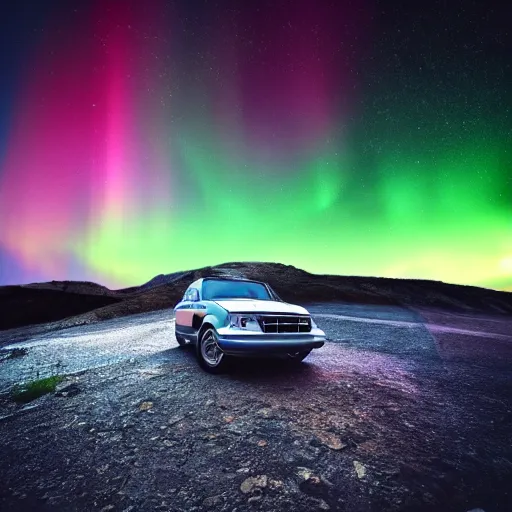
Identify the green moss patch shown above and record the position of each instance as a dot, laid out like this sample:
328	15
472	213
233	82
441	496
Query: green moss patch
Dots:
31	390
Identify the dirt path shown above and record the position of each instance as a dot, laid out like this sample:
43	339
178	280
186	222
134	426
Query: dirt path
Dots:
384	417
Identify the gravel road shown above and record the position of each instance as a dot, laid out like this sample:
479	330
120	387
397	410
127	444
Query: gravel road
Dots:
400	410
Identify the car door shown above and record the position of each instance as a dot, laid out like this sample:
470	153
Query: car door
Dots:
197	312
183	314
189	314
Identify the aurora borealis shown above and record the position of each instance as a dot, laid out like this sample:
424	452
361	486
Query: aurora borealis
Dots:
354	138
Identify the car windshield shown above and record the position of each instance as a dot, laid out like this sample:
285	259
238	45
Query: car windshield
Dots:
220	289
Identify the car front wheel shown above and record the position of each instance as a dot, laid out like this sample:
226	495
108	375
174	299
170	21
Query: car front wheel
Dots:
211	358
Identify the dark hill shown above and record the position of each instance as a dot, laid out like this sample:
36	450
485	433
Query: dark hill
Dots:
54	301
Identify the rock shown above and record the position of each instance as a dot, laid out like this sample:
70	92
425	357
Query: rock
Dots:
305	473
228	419
266	412
68	390
253	483
330	440
176	419
262	443
368	446
275	484
145	406
314	486
211	501
253	500
360	469
323	505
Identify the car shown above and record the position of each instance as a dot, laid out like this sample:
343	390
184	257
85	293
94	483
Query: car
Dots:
227	317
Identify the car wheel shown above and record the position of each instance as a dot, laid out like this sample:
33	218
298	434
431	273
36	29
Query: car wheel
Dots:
181	340
211	358
299	356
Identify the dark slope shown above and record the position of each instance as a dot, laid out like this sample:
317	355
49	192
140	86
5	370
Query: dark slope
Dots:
21	305
49	302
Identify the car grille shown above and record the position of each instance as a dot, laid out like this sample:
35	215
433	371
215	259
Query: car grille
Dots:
284	323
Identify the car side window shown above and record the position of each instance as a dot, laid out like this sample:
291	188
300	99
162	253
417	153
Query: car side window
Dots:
190	294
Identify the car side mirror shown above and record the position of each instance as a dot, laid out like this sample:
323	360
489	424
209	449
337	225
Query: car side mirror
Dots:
194	295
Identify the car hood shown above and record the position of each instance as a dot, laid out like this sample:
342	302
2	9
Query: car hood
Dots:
260	306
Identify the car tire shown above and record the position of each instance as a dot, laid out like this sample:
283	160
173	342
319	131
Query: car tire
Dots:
181	340
210	356
299	356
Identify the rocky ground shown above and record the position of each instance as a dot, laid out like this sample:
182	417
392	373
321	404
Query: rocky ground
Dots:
398	411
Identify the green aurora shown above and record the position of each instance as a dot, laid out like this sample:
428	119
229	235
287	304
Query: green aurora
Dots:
380	146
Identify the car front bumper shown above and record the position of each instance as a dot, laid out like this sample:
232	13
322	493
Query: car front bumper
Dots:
242	343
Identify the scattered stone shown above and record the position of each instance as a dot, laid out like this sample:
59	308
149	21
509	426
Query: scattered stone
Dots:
330	440
101	469
253	483
368	446
228	419
68	390
323	505
176	419
211	501
166	442
145	406
262	443
13	353
265	412
275	484
254	499
305	473
314	486
360	469
107	508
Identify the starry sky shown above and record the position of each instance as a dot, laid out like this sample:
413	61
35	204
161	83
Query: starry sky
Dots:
349	137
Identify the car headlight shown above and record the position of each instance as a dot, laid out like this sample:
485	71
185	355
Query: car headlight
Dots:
245	322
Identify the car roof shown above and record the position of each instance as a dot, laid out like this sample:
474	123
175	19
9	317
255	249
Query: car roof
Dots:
234	278
199	282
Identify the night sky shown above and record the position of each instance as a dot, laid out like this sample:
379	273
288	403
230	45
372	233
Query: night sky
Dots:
355	138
